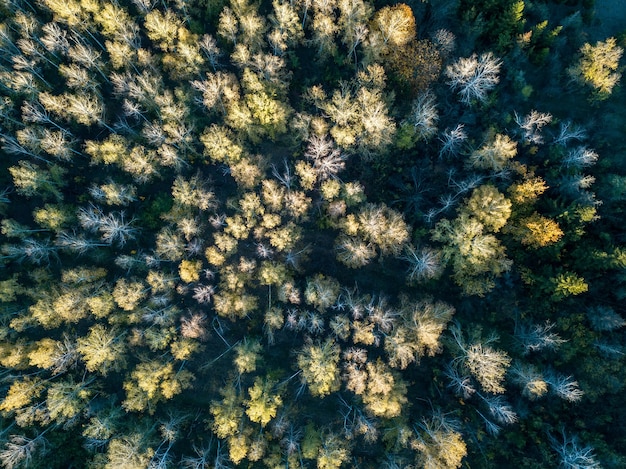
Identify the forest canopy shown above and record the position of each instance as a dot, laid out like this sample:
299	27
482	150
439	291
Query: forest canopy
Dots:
311	234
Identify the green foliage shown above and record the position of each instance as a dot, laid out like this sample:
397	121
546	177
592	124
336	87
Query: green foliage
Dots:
209	208
500	21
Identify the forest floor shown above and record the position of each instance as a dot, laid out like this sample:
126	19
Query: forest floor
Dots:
610	19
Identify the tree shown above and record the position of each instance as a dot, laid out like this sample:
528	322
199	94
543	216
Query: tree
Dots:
568	284
162	28
114	193
128	452
421	123
332	452
287	28
140	164
527	191
21	393
319	365
261	112
354	252
564	386
472	77
359	112
426	321
604	318
20	450
220	146
263	402
395	24
10	288
228	25
37	252
112	226
66	400
530	380
537	337
452	141
531	125
425	264
108	151
476	256
537	231
580	157
321	291
226	413
31	180
170	245
56	356
385	391
151	382
414	66
116	23
127	294
324	29
326	159
353	17
189	271
597	67
485	363
494	155
489	206
102	350
384	227
219	91
247	355
572	455
85	108
238	447
488	366
439	443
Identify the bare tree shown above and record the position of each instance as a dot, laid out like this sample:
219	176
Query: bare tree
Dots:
424	116
35	251
472	77
569	131
460	384
500	410
112	227
20	450
564	386
604	318
572	455
531	125
424	264
452	141
327	160
580	157
537	337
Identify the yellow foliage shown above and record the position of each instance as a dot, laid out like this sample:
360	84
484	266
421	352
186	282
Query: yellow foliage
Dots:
538	231
597	67
527	191
42	355
396	25
21	393
189	271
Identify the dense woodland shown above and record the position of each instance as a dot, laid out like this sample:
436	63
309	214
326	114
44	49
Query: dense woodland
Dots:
311	234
